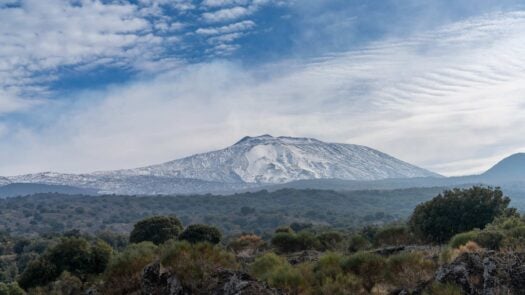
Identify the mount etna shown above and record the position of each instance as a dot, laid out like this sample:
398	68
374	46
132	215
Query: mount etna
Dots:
266	162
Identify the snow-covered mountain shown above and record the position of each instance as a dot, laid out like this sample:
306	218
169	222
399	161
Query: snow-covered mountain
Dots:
267	159
251	162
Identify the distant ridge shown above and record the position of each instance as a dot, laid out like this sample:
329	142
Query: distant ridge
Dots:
510	168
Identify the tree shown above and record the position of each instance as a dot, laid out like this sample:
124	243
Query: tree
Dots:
38	273
456	211
199	233
157	229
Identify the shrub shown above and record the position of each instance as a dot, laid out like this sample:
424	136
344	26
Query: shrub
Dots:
358	243
157	229
457	211
10	289
246	242
393	236
443	289
277	272
408	270
330	241
194	264
124	270
491	240
285	242
462	239
38	273
200	233
329	266
342	284
368	266
285	229
264	265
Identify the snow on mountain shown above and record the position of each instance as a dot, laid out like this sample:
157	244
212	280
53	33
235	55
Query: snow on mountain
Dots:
4	181
270	160
251	162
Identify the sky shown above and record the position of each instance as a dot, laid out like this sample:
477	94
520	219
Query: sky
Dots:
98	85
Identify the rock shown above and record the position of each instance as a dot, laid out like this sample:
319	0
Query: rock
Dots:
158	281
239	283
486	273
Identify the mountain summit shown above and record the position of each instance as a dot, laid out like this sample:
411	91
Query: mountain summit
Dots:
269	160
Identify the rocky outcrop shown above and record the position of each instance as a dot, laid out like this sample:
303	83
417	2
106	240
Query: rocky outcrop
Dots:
158	281
486	273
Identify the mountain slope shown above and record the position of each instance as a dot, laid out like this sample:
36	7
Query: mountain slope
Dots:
250	163
267	159
511	169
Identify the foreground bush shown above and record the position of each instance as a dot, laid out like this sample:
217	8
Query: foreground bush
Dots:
290	242
200	233
194	264
456	211
368	266
278	273
157	230
124	270
408	270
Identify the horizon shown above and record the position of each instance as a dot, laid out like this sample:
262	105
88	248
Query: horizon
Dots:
106	85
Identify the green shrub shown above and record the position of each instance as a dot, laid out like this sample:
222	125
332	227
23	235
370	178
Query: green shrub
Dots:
329	241
462	239
194	264
368	266
157	229
408	270
285	242
457	211
38	273
264	265
491	240
124	270
200	233
358	243
342	284
284	229
329	266
393	236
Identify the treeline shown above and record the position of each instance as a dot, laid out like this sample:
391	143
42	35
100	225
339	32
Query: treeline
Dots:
295	259
259	212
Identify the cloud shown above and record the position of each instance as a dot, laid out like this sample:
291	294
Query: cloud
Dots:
220	3
231	28
450	100
226	14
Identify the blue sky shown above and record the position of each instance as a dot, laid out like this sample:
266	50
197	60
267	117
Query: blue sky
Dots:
94	85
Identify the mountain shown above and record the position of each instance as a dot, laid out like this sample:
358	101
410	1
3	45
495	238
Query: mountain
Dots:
511	169
250	163
270	160
4	181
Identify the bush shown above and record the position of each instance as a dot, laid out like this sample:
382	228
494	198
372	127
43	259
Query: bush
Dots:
286	230
264	265
10	289
342	284
408	270
457	211
393	236
368	266
124	270
329	266
38	273
358	243
194	264
462	239
200	233
491	240
277	272
157	229
286	242
330	241
246	242
443	289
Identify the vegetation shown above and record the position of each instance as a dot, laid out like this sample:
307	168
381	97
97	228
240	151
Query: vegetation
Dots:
456	211
157	229
298	258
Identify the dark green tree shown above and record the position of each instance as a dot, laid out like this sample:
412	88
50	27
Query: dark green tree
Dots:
456	211
157	229
197	233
